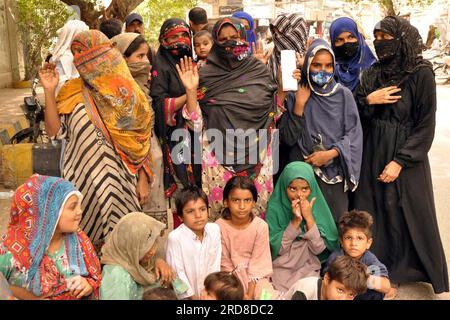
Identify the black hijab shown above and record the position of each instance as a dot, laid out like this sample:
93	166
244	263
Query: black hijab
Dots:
165	80
407	59
165	85
236	90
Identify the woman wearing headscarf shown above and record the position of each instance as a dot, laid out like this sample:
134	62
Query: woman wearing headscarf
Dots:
169	96
106	120
289	32
235	95
301	228
249	25
62	56
131	264
322	127
134	49
397	104
44	254
352	53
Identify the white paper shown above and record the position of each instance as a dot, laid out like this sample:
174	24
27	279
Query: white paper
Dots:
288	65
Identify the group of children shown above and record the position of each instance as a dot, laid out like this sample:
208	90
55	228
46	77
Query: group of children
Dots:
236	257
232	259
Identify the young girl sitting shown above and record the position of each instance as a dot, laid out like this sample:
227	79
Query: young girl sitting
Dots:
203	42
44	254
133	244
245	237
301	226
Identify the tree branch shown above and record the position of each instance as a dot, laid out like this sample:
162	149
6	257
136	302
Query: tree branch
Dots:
88	12
117	9
120	9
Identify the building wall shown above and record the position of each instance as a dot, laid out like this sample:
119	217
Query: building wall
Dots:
9	53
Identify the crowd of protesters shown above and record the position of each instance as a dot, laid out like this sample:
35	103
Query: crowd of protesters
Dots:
330	199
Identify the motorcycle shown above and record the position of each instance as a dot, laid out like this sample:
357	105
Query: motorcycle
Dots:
441	70
441	64
34	112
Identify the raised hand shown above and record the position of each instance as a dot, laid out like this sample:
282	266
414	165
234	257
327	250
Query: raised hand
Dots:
259	54
188	73
49	77
309	42
300	60
297	74
301	97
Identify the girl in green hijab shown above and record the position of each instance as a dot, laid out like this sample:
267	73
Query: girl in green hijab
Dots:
301	226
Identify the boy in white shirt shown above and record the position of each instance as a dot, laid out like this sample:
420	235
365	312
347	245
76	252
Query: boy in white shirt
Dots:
194	249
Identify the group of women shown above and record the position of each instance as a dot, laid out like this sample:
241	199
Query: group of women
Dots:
364	125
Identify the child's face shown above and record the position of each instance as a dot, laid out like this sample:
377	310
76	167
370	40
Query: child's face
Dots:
149	254
202	46
240	203
298	189
71	216
355	243
323	60
205	295
334	290
195	215
140	55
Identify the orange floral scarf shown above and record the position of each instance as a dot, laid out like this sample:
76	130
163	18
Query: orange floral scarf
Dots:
114	101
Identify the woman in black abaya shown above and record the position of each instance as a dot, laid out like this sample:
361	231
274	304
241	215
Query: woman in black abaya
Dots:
397	104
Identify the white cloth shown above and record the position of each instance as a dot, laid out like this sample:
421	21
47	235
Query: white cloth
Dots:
66	69
62	55
193	260
308	286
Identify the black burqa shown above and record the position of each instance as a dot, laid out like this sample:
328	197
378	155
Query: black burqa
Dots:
405	231
165	86
236	92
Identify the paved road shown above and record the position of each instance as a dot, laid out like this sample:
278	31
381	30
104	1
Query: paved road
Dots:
440	167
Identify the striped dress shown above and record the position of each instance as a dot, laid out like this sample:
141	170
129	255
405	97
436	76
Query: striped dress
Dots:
92	165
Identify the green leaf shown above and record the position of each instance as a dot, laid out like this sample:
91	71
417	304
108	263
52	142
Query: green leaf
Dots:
38	21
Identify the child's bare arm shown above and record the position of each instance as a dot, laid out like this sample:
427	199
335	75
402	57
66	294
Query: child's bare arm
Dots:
379	283
250	295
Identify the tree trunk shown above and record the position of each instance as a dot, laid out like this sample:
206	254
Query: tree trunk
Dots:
121	9
117	9
389	7
87	9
